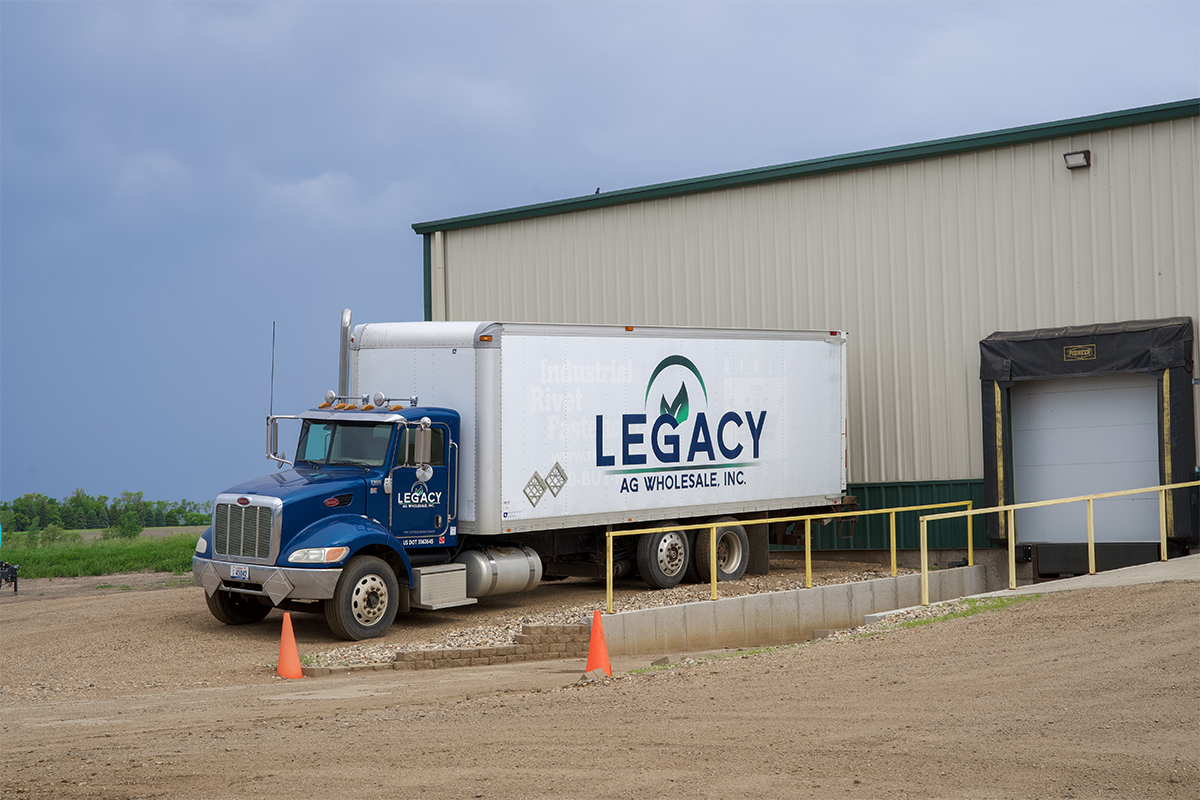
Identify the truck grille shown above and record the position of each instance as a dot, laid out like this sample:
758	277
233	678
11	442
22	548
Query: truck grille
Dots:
242	531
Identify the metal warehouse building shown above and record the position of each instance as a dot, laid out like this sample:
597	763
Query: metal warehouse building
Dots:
920	252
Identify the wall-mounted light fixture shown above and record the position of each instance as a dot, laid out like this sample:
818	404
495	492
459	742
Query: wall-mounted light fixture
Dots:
1080	158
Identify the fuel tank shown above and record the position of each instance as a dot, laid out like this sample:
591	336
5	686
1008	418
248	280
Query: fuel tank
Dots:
501	570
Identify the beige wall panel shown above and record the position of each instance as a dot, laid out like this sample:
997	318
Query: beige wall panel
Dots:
918	261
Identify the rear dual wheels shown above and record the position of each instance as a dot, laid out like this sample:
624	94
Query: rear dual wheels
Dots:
366	599
733	551
665	559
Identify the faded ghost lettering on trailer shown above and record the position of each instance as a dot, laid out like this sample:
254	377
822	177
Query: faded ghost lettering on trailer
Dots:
569	399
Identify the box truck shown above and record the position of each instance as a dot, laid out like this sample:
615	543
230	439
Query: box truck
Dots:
458	460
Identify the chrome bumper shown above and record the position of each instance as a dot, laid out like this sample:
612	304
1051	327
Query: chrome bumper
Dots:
278	583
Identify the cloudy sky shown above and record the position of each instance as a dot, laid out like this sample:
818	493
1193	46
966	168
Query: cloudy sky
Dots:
176	177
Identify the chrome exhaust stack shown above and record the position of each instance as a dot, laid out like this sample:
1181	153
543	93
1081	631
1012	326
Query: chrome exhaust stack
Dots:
344	356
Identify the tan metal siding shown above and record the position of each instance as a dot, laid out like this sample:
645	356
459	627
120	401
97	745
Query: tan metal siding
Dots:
918	261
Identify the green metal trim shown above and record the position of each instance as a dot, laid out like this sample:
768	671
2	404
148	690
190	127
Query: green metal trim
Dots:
821	166
873	532
429	277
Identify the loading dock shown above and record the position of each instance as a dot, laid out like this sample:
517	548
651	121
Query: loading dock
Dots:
1086	409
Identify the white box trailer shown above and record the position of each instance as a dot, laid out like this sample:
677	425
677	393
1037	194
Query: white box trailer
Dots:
462	459
566	426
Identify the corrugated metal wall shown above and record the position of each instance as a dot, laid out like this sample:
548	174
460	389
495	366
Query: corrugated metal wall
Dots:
918	261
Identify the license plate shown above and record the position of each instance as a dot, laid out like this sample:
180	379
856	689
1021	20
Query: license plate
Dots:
239	572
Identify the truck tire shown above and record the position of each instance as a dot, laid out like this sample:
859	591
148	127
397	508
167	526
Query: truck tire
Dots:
237	609
690	575
365	601
733	551
662	558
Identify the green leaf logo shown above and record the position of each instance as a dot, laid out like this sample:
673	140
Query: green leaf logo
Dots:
678	409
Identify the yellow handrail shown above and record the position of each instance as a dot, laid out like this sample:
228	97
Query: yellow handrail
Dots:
806	518
1010	512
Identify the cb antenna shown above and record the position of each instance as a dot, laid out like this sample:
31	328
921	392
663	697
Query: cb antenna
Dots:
272	406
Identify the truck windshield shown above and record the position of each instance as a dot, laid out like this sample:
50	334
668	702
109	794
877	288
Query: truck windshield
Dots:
359	444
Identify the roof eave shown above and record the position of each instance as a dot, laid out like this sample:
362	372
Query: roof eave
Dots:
820	166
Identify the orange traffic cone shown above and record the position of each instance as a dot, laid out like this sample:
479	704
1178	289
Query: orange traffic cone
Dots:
289	656
597	648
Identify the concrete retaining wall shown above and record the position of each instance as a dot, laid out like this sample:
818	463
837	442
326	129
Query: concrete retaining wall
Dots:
749	621
778	617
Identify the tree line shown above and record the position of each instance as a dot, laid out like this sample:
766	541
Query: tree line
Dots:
128	513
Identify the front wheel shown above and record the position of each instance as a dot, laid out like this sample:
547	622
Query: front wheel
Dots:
365	601
662	558
733	551
237	609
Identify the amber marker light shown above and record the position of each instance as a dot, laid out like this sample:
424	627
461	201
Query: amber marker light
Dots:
485	338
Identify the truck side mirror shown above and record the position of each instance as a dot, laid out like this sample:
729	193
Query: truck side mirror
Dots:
273	440
423	444
281	457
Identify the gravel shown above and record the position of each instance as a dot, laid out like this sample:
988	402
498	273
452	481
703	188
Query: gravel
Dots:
897	618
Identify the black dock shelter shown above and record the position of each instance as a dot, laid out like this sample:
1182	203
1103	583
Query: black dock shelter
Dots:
1159	348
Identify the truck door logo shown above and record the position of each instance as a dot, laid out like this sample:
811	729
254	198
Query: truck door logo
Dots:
419	496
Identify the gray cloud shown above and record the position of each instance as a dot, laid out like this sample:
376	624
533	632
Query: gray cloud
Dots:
176	176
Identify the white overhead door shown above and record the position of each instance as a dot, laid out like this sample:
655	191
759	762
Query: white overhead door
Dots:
1076	436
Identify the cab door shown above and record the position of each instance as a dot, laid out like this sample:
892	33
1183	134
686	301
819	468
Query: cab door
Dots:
421	496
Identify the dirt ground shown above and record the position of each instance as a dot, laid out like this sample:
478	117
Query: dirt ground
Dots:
785	573
139	693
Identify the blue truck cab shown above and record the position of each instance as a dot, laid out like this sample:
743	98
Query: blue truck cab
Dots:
371	493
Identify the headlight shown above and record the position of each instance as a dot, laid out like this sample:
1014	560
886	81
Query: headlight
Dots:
319	555
201	545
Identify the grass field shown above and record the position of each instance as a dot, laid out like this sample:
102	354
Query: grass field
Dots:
156	550
155	533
